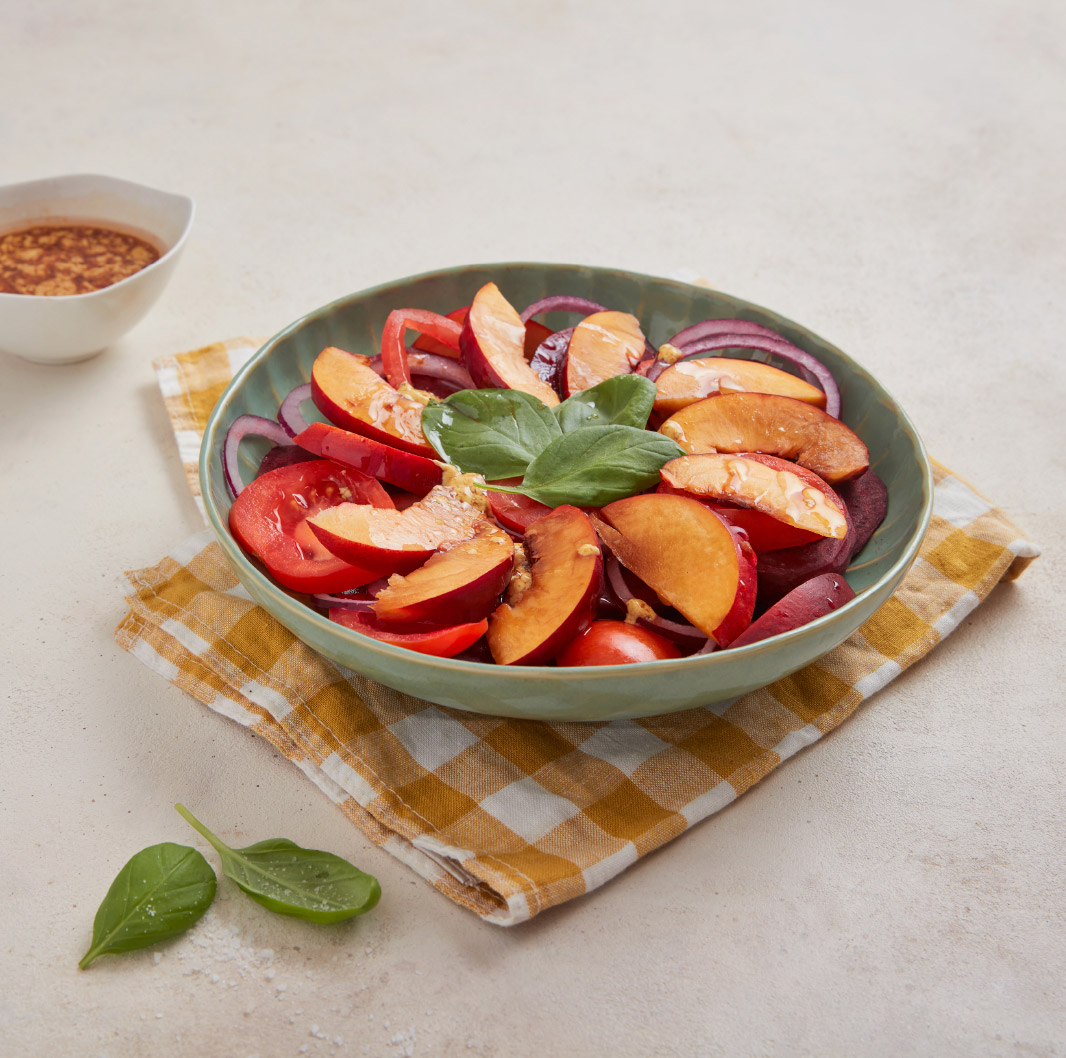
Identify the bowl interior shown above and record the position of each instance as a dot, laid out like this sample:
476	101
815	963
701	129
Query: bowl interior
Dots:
663	307
163	217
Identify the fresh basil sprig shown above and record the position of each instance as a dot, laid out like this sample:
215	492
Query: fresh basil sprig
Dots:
624	400
493	432
161	892
595	465
290	880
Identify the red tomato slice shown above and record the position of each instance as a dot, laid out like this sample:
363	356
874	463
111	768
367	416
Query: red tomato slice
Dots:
441	642
617	643
393	350
426	344
269	520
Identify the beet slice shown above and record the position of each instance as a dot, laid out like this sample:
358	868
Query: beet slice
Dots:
813	598
866	499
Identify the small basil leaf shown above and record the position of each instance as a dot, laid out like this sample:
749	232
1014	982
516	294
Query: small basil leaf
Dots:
161	892
598	464
494	432
624	400
290	880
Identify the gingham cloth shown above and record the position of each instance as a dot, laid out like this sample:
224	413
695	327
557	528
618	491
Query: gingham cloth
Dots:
509	817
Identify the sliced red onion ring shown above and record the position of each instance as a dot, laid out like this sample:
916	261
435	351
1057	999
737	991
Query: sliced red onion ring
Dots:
710	328
247	426
810	368
289	414
357	599
344	602
561	303
432	365
679	631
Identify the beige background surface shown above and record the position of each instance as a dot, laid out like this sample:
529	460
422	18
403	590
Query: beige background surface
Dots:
890	174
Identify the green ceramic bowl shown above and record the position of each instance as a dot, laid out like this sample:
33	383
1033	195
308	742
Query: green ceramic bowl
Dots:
593	693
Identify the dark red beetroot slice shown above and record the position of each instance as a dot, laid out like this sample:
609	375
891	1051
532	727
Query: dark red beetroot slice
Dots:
515	512
458	584
781	571
396	541
549	360
813	598
603	345
565	578
283	456
404	469
493	345
440	642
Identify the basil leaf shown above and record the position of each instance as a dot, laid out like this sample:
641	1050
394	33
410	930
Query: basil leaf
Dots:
290	880
494	432
161	892
598	464
624	400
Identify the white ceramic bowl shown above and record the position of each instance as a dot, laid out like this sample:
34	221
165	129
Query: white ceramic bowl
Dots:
61	330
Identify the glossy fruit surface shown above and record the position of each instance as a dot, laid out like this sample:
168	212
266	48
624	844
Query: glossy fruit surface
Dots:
617	643
586	692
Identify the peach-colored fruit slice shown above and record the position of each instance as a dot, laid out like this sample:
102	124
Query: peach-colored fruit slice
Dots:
396	541
688	555
688	381
493	344
777	426
781	489
603	345
462	582
353	396
556	599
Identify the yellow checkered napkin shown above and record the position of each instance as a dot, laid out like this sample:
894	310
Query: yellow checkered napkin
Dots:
509	817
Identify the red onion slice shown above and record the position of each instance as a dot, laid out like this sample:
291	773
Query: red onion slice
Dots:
811	369
247	426
357	599
432	365
710	328
344	602
561	303
289	414
680	632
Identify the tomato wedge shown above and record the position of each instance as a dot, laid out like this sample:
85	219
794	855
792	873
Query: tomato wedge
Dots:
440	642
393	350
269	520
426	344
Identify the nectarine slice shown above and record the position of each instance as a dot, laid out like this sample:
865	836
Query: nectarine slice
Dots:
493	345
781	489
688	381
688	555
353	396
396	541
461	582
603	345
778	426
555	600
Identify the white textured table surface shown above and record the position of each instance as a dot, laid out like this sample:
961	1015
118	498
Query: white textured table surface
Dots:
891	175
